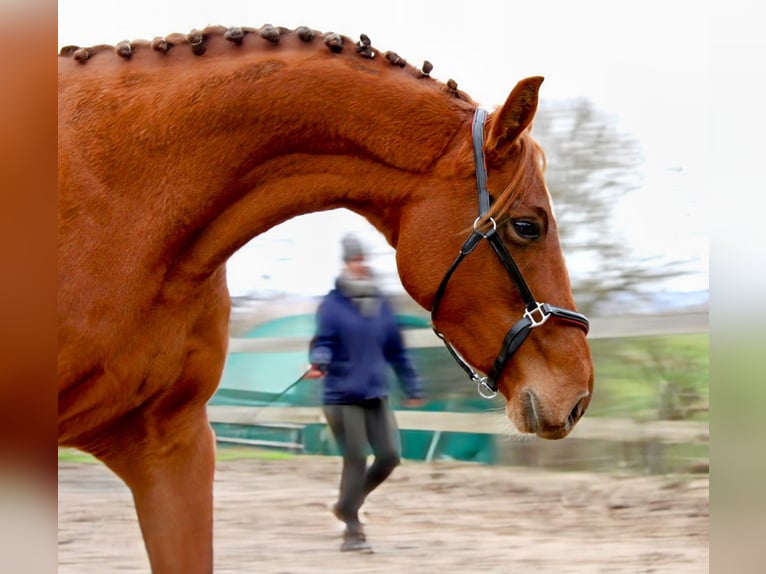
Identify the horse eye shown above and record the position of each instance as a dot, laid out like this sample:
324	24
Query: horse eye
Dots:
526	229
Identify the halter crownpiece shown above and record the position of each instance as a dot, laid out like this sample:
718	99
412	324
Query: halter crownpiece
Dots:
535	314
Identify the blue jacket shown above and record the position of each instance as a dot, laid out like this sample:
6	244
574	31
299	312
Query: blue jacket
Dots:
354	350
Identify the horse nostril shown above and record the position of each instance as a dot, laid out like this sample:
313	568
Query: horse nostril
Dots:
537	421
577	412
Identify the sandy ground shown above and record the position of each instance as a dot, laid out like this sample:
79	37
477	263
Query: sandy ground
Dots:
273	516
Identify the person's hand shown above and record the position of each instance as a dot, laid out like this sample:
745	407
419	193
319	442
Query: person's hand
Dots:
313	373
413	402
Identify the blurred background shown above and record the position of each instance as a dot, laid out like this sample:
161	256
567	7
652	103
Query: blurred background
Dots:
622	120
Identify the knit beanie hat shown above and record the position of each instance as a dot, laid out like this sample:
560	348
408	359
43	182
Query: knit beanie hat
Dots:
352	247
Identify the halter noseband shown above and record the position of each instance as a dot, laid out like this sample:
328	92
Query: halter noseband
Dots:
535	314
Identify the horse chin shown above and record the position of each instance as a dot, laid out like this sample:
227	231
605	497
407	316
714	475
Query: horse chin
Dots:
554	434
524	418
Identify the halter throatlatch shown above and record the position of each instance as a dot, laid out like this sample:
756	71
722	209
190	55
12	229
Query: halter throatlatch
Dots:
535	314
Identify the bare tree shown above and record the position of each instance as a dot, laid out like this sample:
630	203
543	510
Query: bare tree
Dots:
591	166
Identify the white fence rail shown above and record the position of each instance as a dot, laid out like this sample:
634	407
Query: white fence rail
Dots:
619	430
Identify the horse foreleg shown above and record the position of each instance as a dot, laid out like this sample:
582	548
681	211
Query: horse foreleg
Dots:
170	474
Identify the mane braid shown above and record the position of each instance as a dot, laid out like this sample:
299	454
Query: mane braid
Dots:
197	41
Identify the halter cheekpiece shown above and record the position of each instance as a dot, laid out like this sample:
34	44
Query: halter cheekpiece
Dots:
535	314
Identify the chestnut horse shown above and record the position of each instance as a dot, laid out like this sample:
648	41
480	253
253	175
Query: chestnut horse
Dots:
174	153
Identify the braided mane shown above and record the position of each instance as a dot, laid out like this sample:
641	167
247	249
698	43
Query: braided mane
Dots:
265	37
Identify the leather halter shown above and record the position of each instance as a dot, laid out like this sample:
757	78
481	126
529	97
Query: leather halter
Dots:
535	314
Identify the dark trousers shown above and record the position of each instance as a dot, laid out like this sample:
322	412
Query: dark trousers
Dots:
355	427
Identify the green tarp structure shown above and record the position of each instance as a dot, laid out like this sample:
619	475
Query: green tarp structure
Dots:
259	379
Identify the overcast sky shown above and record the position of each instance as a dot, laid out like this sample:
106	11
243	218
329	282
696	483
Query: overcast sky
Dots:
644	63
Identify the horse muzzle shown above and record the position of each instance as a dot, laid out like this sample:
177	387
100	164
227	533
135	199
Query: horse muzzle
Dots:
535	418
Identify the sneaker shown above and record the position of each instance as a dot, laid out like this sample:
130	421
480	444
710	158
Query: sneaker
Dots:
337	513
354	540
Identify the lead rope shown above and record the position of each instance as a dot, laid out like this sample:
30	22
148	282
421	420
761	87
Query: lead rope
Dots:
282	394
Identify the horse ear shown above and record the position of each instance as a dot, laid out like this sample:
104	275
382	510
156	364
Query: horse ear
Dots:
512	119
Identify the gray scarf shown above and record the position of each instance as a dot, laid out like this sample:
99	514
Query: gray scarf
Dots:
363	292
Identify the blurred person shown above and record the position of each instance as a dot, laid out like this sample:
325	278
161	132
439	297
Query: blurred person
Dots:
356	338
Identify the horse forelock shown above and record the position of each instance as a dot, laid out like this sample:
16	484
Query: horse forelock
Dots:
529	164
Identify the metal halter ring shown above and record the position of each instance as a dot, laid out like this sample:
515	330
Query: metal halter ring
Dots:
484	389
476	225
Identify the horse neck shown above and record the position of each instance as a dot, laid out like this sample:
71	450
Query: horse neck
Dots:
259	138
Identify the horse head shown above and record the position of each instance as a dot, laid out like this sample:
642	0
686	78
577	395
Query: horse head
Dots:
486	306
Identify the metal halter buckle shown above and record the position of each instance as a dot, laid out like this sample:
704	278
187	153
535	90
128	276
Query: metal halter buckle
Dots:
530	314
